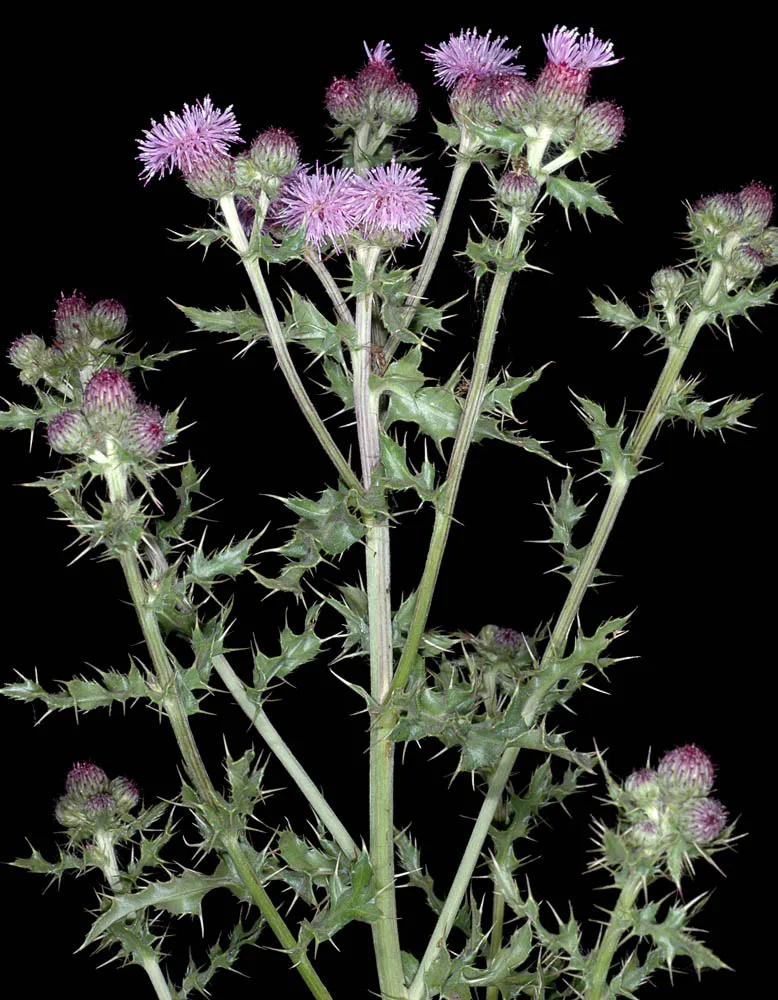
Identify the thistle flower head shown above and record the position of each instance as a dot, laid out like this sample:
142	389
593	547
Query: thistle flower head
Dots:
389	200
85	779
99	805
508	638
686	771
125	793
643	785
188	139
757	201
71	316
68	432
108	392
319	201
599	126
346	101
566	47
27	351
564	80
512	99
107	319
518	190
212	178
378	72
144	431
276	152
704	819
469	55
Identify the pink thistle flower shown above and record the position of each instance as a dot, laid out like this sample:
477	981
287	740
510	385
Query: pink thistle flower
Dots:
564	47
187	140
320	201
704	819
389	200
471	56
378	73
564	80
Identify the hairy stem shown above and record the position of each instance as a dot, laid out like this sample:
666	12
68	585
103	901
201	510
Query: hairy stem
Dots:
619	921
279	345
285	757
699	315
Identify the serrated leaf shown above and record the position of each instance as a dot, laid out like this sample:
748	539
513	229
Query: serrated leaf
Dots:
230	561
244	323
81	694
581	195
180	894
296	649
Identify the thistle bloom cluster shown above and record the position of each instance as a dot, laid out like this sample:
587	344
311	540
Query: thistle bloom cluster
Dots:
387	205
93	800
672	802
375	96
487	88
735	226
109	408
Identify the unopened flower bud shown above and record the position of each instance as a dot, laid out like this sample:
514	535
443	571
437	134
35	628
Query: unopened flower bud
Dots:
599	126
470	101
346	102
767	245
71	318
757	201
125	794
397	104
646	833
68	432
508	638
703	820
719	213
686	771
745	262
667	284
107	319
143	432
643	785
518	190
275	152
107	393
85	780
211	178
27	351
512	99
69	812
99	805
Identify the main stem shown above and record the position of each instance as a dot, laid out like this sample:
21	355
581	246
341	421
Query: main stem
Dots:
386	939
648	423
116	480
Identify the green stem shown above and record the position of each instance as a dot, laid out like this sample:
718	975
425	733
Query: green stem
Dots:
286	758
649	421
104	848
495	944
330	286
619	921
436	239
278	342
386	939
116	479
444	509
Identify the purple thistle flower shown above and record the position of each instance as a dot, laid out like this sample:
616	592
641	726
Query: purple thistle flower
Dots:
381	53
187	140
320	201
565	47
389	200
471	56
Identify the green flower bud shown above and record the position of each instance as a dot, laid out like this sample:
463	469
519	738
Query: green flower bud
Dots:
69	812
212	178
703	820
27	351
275	152
600	126
745	262
84	780
667	285
125	794
69	432
107	319
686	771
643	785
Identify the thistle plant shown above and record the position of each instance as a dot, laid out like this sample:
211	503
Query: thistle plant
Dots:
332	278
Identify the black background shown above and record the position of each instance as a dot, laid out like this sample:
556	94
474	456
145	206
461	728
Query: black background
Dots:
689	554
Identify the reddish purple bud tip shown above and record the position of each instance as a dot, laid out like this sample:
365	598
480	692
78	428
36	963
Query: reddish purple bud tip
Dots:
704	820
687	770
144	431
108	392
71	317
85	780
